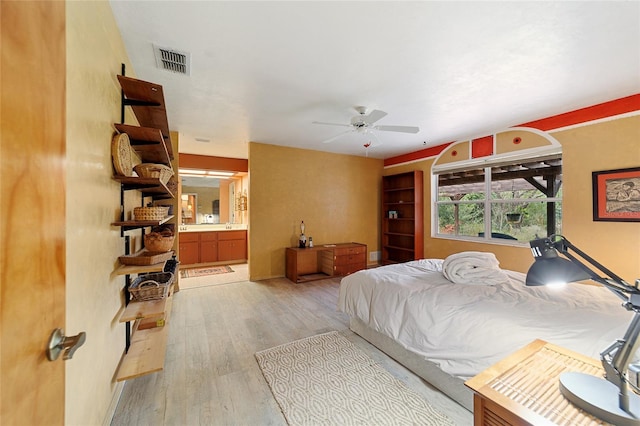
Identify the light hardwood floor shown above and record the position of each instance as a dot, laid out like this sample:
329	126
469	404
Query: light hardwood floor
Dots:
211	376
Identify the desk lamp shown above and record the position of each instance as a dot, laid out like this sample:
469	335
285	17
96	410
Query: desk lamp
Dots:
610	399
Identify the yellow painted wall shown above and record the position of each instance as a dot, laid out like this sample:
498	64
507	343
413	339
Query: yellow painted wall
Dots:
337	196
601	146
94	295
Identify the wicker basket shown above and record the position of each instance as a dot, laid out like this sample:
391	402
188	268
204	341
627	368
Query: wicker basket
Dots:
151	170
150	213
172	184
158	242
151	286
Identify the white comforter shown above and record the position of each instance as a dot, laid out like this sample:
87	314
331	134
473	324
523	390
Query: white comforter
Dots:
467	328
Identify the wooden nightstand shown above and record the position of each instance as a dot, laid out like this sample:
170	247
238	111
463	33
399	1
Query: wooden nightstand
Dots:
523	388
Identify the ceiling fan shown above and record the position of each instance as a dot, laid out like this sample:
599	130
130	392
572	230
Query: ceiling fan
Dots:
363	123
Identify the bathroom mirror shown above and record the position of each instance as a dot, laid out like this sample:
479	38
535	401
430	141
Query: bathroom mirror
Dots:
208	200
219	186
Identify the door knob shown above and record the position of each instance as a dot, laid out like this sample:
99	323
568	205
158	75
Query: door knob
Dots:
58	342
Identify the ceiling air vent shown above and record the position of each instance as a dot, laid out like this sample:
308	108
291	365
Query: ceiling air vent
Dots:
172	60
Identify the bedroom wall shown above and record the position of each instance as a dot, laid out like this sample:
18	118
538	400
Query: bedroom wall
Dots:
603	145
337	196
594	147
94	295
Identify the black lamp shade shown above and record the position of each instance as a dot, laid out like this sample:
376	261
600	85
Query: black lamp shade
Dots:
549	270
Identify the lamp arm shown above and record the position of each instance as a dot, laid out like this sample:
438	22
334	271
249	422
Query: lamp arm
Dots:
618	289
563	245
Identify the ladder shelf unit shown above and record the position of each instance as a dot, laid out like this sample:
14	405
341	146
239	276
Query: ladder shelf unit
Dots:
145	321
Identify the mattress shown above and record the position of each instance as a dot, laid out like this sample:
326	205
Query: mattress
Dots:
464	329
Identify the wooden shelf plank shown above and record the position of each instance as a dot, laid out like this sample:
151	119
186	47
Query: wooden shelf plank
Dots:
147	101
145	355
148	347
148	186
159	320
160	258
132	224
147	142
144	309
139	269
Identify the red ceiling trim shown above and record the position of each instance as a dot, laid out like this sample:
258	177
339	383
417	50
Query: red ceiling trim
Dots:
417	155
583	115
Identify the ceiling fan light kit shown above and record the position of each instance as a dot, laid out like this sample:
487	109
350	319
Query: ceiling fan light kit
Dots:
363	123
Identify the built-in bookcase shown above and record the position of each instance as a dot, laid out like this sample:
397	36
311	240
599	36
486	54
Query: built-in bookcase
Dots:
402	217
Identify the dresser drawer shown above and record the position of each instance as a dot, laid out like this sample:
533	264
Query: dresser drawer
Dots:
348	268
343	251
349	258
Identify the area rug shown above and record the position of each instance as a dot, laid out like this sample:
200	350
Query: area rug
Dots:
327	380
201	272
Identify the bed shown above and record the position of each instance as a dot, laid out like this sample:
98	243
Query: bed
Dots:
447	332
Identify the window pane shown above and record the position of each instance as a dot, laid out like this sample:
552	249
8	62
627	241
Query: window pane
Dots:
513	189
467	185
446	219
461	219
524	221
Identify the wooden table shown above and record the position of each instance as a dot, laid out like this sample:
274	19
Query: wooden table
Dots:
523	388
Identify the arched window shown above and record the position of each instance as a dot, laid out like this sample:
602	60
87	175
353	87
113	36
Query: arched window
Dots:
498	193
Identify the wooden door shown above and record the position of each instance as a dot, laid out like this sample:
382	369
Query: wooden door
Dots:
32	203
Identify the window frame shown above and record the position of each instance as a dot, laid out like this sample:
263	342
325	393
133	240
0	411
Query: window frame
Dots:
486	164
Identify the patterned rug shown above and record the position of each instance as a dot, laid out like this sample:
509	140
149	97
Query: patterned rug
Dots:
326	379
200	272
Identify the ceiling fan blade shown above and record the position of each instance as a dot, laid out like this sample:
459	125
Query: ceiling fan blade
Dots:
332	138
331	124
373	116
403	129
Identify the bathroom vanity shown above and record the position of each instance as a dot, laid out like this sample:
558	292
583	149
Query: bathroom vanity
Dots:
199	244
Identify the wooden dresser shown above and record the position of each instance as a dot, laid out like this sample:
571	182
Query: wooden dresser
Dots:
523	388
324	261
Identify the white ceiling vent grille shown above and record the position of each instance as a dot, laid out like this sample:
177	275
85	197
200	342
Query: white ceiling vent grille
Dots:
172	60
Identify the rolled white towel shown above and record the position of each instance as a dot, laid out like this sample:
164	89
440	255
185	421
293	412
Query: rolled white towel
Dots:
473	268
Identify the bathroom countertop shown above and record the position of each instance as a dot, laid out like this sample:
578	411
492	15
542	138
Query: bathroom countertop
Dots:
211	227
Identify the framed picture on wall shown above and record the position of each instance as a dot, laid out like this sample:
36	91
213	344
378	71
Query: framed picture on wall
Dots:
616	195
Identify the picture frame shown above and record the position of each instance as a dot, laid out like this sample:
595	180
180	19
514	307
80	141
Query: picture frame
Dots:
616	195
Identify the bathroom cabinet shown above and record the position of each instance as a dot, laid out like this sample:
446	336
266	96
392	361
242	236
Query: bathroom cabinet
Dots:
229	246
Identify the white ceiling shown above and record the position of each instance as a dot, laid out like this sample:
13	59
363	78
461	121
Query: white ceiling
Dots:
263	71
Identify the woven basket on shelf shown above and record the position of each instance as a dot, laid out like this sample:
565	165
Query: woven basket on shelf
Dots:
172	184
150	213
124	157
151	286
158	242
151	170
